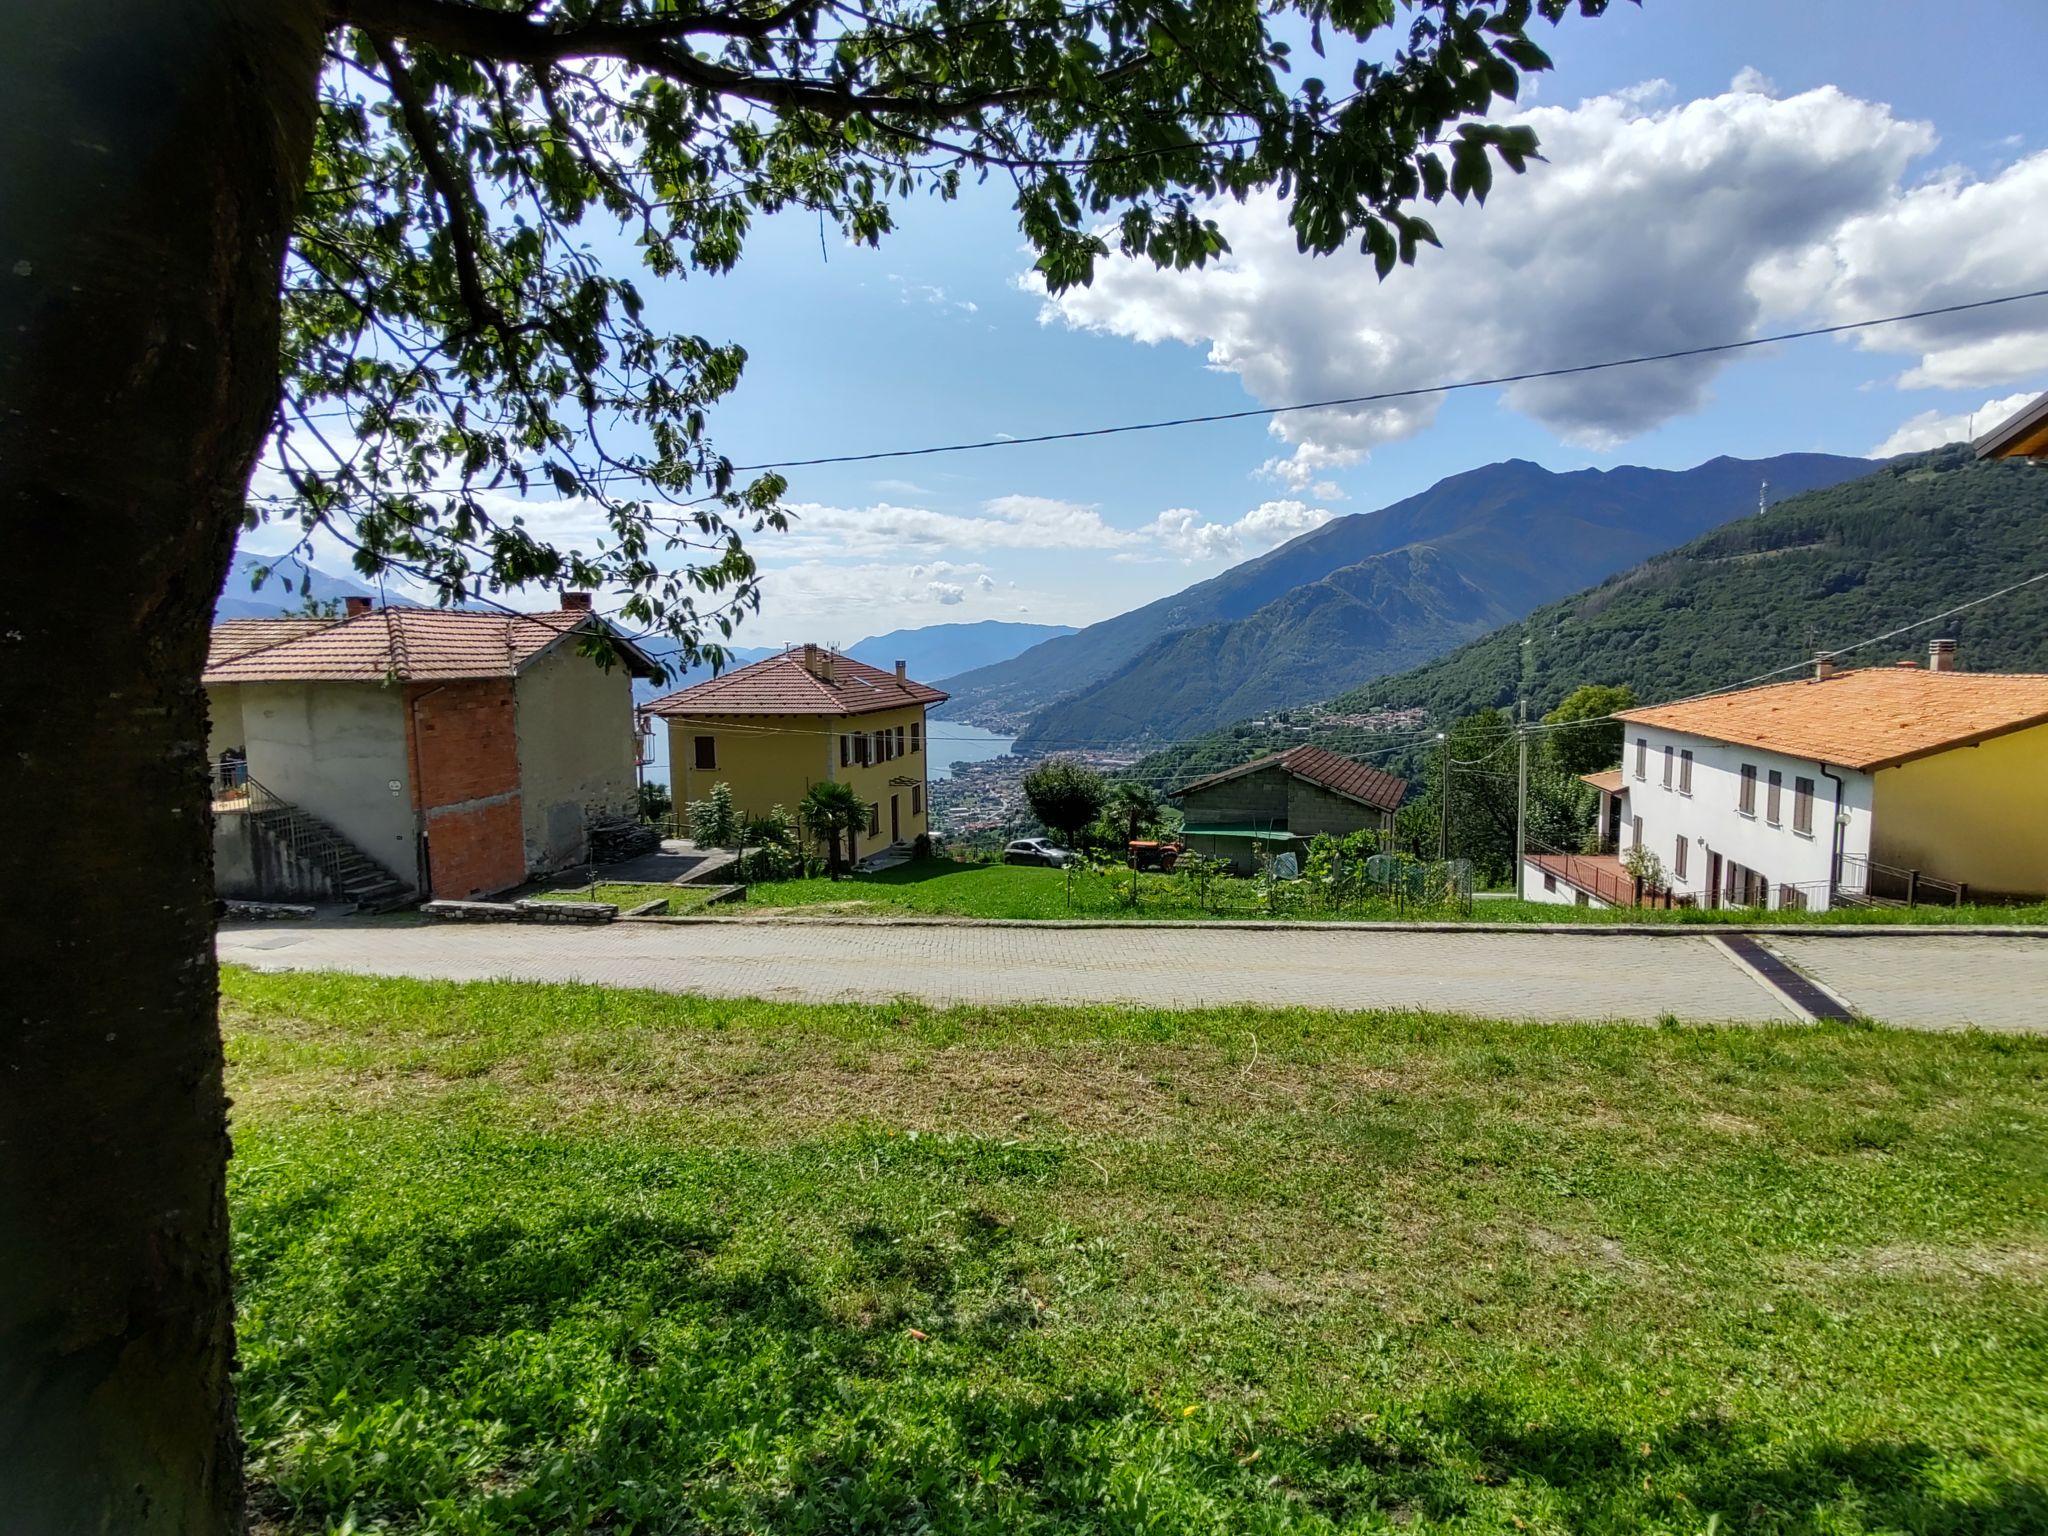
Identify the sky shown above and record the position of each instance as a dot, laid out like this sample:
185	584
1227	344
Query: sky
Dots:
1715	169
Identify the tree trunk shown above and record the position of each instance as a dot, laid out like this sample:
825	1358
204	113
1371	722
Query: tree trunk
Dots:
152	156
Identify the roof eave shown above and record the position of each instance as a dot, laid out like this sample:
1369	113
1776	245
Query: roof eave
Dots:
2003	441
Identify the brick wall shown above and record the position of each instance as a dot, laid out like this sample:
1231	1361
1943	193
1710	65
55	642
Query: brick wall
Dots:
464	743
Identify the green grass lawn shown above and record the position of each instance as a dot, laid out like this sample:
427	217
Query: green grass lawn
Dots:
943	888
517	1258
626	896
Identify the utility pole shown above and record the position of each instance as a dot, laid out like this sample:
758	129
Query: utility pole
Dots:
1521	792
1443	806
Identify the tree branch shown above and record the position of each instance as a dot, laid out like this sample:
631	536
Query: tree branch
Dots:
455	27
450	188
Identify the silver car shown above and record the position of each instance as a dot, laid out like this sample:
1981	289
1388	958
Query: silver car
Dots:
1036	850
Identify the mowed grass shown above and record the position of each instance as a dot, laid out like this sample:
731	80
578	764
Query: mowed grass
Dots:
941	887
626	896
519	1258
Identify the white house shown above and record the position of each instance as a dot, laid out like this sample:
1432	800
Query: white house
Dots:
1888	784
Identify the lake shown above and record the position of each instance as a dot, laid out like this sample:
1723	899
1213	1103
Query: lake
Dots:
955	741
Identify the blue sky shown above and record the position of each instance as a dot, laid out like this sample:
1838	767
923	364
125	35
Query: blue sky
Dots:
1717	168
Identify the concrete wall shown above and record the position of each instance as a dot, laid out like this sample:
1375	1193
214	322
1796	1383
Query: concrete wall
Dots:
771	760
1711	820
1250	800
338	750
1312	809
249	866
1547	889
576	747
223	719
1975	814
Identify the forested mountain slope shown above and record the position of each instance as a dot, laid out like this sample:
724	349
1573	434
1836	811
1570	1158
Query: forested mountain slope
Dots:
1819	571
1515	532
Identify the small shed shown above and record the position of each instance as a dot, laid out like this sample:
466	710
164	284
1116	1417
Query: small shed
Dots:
1275	804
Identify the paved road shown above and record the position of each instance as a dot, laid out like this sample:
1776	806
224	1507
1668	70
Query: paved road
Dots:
1926	983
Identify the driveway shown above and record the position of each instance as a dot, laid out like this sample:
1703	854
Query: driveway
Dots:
1931	982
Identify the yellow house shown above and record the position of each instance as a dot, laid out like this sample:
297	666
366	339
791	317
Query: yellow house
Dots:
808	716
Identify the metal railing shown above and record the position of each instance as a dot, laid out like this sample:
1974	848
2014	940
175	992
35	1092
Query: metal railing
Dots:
299	834
1867	882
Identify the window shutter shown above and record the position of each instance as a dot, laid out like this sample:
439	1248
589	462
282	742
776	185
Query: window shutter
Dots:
1642	757
1678	859
1802	805
1685	772
1747	803
1773	796
1669	754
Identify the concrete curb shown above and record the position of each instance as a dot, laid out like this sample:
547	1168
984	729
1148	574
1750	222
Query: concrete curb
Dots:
1311	925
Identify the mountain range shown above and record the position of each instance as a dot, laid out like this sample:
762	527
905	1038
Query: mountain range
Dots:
1914	538
241	598
1365	595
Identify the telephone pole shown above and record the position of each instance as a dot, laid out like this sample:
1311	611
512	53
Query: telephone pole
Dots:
1521	792
1443	802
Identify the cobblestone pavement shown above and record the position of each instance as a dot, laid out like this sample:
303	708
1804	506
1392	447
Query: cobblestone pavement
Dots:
1922	982
1951	982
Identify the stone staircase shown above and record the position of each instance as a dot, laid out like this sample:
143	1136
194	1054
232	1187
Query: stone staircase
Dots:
353	874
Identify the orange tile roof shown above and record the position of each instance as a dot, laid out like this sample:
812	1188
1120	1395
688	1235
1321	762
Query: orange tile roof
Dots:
783	685
413	644
1873	718
1609	780
1340	775
238	637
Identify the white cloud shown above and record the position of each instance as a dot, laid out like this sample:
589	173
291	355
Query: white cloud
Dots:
984	582
1951	240
1652	225
1931	429
1196	537
1007	522
946	592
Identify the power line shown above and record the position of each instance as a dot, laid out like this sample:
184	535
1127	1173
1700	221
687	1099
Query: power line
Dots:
1261	412
1256	413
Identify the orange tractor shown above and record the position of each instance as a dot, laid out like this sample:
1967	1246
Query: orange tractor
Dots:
1156	855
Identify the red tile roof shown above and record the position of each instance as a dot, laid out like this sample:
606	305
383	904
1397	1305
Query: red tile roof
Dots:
1873	718
412	644
783	685
238	637
1340	775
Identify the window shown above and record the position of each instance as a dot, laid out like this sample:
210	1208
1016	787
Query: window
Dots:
917	735
1636	831
1549	882
1642	757
845	749
1791	898
861	742
1669	755
1773	796
899	741
1685	772
874	818
1802	807
1747	803
704	750
1678	859
917	799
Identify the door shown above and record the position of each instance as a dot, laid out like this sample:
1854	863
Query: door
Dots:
895	820
1713	887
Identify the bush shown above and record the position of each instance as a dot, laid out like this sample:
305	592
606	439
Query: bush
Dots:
713	822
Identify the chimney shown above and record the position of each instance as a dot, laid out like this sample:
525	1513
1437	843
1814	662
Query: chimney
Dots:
576	602
1825	666
902	673
1941	656
818	662
354	607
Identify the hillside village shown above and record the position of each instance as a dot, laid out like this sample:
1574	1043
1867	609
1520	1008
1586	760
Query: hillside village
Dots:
791	767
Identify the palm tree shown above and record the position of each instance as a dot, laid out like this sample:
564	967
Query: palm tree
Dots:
1134	808
829	810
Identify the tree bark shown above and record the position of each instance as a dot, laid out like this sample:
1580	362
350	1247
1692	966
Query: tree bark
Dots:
152	157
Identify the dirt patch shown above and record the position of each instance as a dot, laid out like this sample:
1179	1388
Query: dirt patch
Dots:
1975	1262
1585	1248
